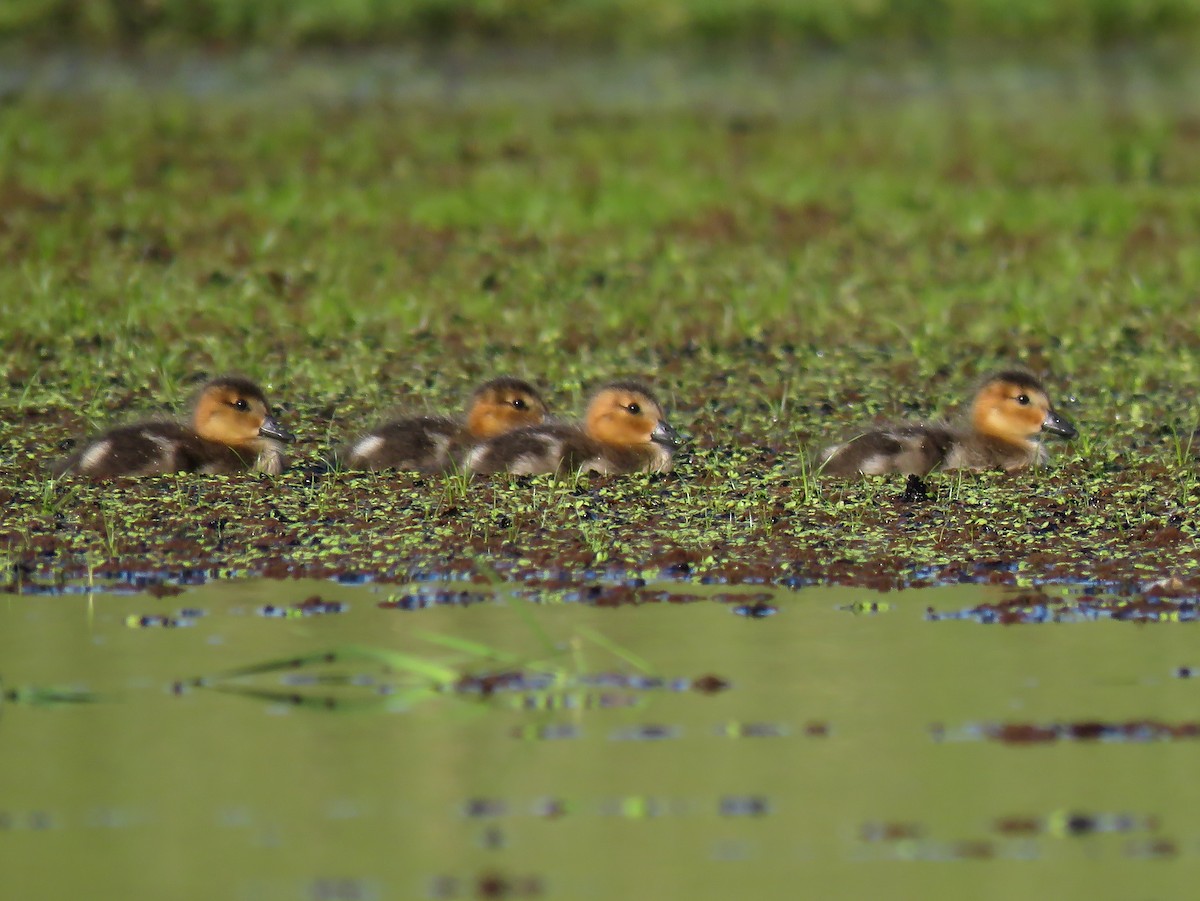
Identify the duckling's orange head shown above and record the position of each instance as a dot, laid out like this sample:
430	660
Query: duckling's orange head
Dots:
502	405
1013	406
234	411
626	414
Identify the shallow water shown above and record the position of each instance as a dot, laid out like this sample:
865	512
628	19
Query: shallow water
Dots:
850	751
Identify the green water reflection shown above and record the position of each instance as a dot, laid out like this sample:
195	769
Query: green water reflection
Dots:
201	795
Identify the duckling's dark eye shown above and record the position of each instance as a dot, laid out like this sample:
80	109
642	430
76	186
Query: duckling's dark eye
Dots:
1023	400
635	409
519	404
241	404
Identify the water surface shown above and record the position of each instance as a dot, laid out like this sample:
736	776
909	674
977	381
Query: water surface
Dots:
848	753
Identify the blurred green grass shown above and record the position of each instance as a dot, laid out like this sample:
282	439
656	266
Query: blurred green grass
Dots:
826	23
1059	203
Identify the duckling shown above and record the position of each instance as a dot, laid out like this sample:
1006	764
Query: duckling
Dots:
624	431
1009	409
438	443
231	430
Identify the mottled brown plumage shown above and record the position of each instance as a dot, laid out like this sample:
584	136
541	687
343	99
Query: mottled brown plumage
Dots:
1009	409
231	430
624	431
438	443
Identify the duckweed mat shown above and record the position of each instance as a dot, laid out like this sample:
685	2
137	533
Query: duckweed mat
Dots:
322	742
789	251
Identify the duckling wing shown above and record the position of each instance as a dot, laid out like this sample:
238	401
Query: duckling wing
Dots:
908	449
148	448
532	451
416	443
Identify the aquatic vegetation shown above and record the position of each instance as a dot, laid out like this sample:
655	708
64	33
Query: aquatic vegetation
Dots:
379	679
685	244
360	677
1088	730
581	659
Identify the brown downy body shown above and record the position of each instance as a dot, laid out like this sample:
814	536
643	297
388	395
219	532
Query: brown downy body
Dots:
624	431
231	430
438	443
1009	410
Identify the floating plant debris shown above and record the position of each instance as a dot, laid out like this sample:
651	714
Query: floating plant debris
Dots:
549	732
1036	607
1066	823
162	621
752	730
1013	826
640	807
496	885
743	806
1084	730
709	684
481	808
973	850
550	808
310	606
866	607
487	684
757	610
486	885
576	700
521	681
163	590
650	732
890	831
440	598
1151	850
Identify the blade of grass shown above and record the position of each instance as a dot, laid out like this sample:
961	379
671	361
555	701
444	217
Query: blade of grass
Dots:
436	672
613	648
472	648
